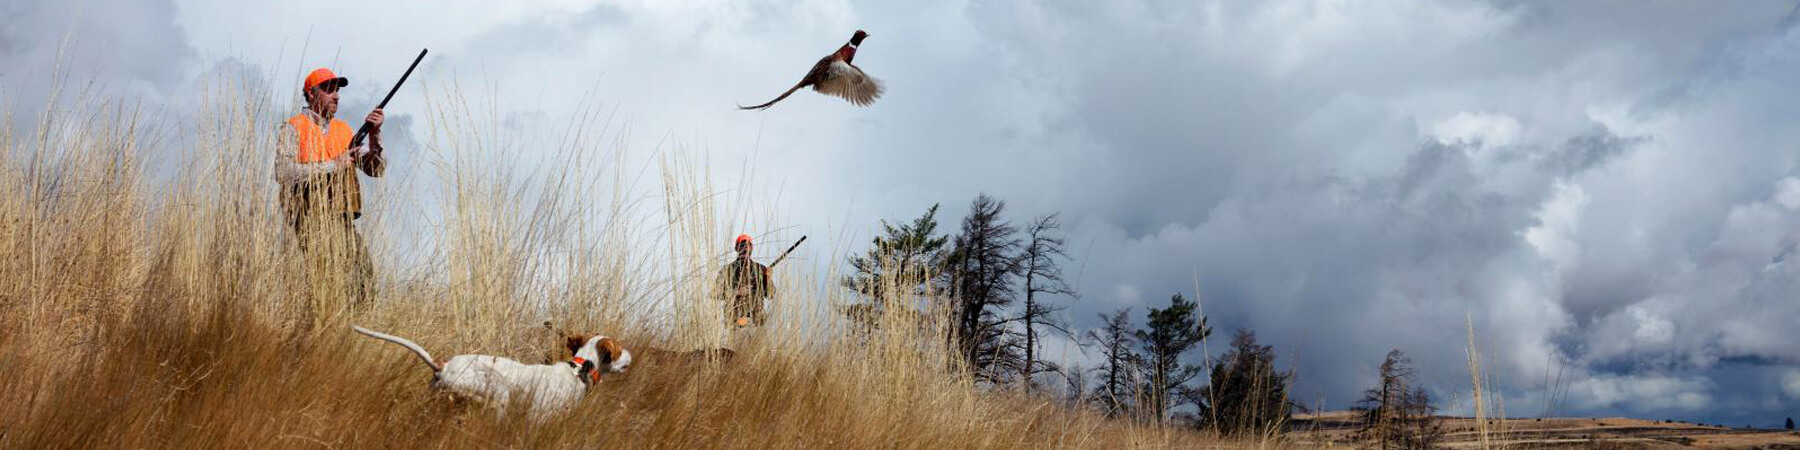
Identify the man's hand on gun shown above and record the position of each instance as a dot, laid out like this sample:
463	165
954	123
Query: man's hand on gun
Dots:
374	143
374	119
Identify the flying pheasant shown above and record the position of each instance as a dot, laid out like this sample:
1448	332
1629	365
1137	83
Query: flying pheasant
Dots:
835	75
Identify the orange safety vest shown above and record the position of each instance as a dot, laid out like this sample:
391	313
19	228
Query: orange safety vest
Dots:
337	192
316	146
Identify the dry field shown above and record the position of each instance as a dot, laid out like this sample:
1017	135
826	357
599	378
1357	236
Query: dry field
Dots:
150	296
161	306
1334	429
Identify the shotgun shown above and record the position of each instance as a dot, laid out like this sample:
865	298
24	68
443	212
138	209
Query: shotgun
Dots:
789	250
367	127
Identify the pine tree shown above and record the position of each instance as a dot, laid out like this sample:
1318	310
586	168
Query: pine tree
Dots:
1170	332
907	258
983	265
1246	394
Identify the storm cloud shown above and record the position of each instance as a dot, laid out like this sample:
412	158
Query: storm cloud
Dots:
1609	190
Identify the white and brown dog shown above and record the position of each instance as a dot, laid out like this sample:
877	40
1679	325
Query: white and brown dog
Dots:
497	381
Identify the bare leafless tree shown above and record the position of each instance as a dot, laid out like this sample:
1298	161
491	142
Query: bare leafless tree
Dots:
1115	378
1396	414
1039	266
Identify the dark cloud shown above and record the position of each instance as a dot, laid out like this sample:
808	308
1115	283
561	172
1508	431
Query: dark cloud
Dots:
1271	149
1607	189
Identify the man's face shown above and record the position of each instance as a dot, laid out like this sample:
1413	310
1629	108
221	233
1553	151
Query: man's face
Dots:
744	250
323	99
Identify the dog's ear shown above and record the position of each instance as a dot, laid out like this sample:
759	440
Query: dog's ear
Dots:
609	350
575	342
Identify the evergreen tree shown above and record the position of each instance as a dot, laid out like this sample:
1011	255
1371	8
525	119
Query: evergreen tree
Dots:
905	259
1170	333
1246	395
983	265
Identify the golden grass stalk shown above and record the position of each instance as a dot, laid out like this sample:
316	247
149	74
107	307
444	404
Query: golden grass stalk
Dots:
164	308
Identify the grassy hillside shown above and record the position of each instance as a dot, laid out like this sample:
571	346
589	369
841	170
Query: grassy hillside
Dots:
151	298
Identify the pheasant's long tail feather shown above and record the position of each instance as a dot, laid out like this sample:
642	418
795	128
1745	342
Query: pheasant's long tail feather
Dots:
784	95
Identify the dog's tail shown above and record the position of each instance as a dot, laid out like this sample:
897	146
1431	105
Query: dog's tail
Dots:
416	349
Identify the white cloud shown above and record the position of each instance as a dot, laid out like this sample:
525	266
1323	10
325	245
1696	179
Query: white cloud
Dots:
1651	329
1787	193
1484	129
132	48
1559	224
1643	394
1329	169
1127	294
1790	383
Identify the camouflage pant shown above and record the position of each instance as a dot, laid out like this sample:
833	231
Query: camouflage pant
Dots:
340	275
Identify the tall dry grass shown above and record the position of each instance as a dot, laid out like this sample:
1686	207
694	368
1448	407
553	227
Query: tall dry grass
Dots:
165	308
1492	429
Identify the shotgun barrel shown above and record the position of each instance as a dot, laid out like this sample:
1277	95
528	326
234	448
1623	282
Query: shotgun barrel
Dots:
789	250
362	133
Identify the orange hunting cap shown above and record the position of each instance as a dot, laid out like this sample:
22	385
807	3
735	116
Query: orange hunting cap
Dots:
323	75
742	239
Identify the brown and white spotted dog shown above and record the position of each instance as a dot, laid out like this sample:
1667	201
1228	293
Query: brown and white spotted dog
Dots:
497	381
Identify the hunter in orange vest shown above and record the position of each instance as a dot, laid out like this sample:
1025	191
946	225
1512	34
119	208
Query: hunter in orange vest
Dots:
744	285
316	167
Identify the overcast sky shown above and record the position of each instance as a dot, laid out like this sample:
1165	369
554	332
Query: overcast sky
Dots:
1610	189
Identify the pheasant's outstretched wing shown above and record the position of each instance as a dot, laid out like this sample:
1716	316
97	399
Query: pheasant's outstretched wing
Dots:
845	80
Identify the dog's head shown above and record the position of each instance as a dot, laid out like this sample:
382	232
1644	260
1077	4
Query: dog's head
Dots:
601	352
